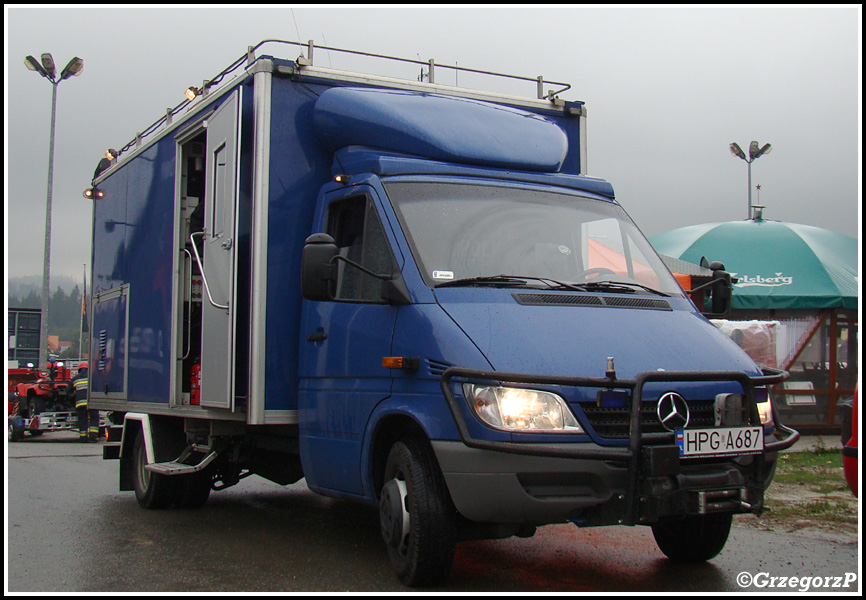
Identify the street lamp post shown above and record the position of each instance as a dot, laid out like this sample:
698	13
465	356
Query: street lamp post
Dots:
47	69
755	152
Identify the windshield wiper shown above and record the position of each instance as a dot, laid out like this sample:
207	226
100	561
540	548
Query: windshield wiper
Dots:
486	280
625	287
507	281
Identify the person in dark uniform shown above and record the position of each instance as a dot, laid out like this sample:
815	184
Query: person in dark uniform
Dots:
88	420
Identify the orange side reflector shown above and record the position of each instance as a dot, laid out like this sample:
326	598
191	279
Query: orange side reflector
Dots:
392	362
409	363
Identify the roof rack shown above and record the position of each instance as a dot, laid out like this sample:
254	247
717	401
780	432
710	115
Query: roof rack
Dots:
307	61
430	64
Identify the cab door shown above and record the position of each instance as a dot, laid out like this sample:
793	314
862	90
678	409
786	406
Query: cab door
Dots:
342	345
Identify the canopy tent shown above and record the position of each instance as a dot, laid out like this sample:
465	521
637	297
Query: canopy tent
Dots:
777	265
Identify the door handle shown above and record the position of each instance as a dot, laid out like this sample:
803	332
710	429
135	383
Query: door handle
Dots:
201	270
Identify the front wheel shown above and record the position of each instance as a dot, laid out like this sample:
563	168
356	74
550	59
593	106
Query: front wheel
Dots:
417	516
695	538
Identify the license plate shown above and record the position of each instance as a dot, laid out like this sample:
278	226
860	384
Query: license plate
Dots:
721	442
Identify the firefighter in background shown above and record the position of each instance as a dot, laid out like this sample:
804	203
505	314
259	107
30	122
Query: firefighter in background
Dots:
88	420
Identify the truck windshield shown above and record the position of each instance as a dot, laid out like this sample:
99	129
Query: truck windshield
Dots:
471	234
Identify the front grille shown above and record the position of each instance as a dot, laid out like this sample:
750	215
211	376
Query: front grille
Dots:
612	423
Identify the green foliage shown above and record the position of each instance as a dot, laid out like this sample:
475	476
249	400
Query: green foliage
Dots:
822	496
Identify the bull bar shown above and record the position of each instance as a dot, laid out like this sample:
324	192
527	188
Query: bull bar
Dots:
631	454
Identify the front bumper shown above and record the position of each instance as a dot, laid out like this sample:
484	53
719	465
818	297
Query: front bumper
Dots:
495	487
538	483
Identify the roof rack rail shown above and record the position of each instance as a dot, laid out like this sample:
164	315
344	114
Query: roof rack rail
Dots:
307	61
430	64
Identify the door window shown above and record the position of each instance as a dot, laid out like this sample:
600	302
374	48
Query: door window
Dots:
355	226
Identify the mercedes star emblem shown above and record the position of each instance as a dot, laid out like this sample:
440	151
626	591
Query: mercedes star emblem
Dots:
673	412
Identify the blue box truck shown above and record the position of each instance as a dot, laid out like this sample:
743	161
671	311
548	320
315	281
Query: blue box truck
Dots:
411	295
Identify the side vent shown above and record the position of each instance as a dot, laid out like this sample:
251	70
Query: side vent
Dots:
586	300
435	367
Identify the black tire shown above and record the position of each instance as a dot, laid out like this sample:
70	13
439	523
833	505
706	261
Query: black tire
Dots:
15	433
193	490
35	405
417	517
152	490
695	538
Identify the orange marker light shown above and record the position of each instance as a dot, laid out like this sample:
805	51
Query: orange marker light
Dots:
409	363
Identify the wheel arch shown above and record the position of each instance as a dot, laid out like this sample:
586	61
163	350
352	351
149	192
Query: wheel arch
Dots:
135	424
388	430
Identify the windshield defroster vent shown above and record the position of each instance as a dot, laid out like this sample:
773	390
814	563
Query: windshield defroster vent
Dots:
587	300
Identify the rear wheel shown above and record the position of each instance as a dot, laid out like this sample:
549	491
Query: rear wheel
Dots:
152	490
694	538
193	490
417	517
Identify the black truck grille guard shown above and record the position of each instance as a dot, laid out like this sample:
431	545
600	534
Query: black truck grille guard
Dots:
637	437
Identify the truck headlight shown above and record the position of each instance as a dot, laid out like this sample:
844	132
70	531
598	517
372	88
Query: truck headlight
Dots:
765	407
517	409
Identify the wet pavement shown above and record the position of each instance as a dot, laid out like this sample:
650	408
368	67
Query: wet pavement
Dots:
70	530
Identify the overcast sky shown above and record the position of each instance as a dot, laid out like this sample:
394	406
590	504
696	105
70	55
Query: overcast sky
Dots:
667	90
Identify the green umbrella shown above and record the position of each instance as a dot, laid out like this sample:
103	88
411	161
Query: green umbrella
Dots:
777	265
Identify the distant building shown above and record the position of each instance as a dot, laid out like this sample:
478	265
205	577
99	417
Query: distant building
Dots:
58	346
23	341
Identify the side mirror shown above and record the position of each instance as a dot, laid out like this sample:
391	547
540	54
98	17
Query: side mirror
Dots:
721	289
318	269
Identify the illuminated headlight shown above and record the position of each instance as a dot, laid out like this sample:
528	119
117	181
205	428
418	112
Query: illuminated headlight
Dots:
765	408
731	410
515	409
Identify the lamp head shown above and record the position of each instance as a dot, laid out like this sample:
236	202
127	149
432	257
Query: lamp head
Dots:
48	65
735	149
73	69
34	65
756	151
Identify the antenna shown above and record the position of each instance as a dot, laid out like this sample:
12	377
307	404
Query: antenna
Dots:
423	75
296	25
330	64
